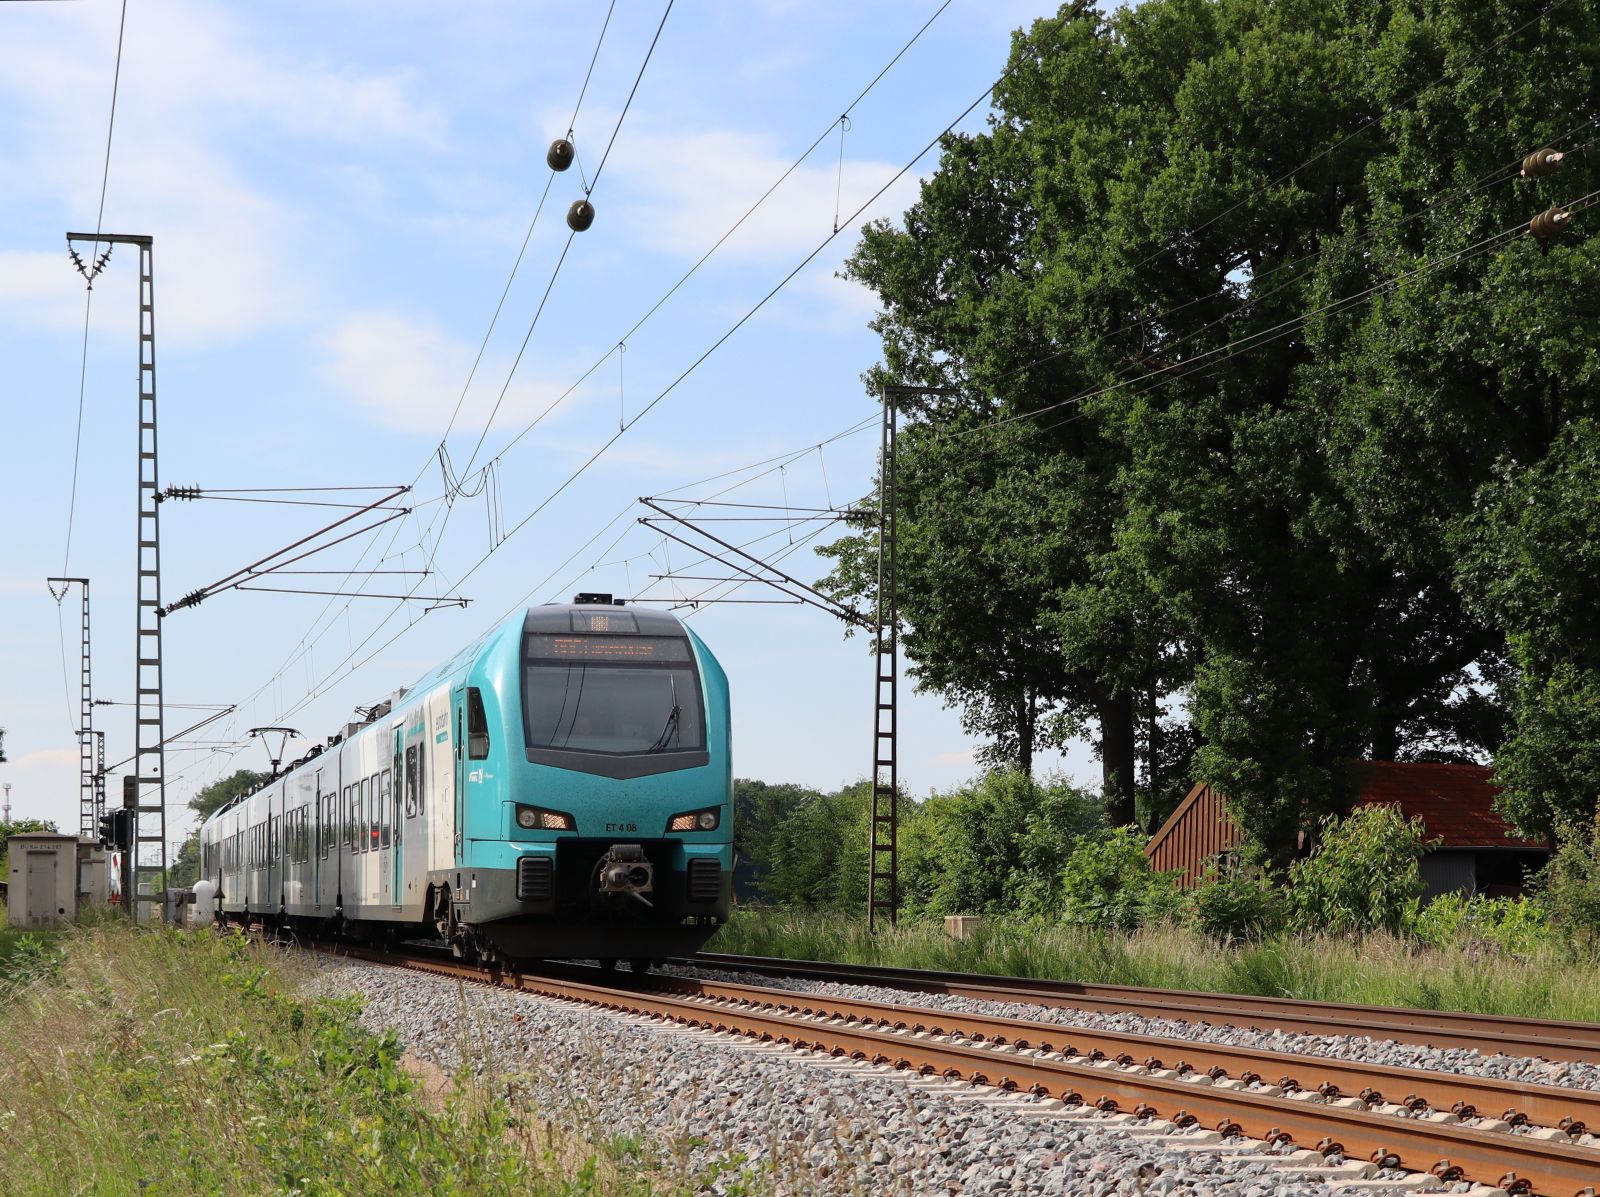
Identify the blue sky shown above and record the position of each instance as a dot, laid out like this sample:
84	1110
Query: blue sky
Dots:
337	192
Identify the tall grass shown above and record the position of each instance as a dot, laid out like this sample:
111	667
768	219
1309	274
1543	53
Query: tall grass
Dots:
164	1063
1375	969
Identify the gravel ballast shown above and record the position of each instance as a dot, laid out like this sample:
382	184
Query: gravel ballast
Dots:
730	1112
1360	1048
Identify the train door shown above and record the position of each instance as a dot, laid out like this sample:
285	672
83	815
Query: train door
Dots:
395	772
383	820
458	707
318	843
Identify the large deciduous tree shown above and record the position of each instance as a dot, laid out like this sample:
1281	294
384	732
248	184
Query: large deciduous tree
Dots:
1236	354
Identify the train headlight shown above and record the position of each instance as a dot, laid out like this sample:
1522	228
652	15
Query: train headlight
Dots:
696	820
535	818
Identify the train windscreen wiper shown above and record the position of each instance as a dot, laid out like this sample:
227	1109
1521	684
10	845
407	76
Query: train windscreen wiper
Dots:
670	728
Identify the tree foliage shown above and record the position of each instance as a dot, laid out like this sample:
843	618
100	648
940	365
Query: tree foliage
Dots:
1363	875
1259	402
219	793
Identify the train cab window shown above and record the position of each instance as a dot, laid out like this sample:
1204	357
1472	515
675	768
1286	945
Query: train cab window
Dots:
385	808
477	726
613	695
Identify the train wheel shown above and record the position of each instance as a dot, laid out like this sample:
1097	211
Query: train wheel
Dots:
608	964
640	966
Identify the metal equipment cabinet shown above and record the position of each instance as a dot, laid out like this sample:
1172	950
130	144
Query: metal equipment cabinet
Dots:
43	879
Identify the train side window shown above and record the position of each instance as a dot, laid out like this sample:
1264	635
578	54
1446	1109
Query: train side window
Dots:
412	808
477	726
386	810
347	818
371	787
422	777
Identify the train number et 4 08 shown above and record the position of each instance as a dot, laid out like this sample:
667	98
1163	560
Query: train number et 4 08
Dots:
622	827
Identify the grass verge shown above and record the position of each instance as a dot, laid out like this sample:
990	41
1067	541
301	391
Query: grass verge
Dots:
1375	969
166	1063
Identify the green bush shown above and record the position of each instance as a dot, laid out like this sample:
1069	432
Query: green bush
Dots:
1363	874
1569	887
1108	882
1239	902
992	846
1453	920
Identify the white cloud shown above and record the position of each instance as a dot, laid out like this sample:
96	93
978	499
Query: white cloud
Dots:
408	375
699	184
955	758
40	288
196	82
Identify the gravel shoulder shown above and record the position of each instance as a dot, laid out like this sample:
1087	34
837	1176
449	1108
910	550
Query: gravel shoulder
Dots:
729	1116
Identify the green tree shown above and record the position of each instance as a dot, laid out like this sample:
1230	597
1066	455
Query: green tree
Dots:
818	852
977	848
219	793
1019	608
185	867
1220	277
1530	559
759	809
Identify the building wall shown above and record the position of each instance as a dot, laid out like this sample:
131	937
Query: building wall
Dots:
1194	833
1448	872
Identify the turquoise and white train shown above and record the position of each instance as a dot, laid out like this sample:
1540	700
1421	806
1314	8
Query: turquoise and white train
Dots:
561	787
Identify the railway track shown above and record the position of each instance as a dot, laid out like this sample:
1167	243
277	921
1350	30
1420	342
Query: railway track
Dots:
1332	1113
1490	1034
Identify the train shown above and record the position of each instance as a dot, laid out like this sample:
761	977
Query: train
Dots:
562	787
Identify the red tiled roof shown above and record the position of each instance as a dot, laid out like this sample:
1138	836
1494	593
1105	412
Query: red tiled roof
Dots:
1455	802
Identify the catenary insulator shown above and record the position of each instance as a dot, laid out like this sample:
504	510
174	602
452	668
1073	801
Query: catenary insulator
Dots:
561	154
1541	163
1549	222
580	216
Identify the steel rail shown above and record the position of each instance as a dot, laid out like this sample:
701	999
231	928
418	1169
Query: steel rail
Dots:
1523	1164
1464	1095
1488	1033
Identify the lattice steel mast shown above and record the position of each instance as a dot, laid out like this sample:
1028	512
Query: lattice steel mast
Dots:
883	880
147	788
883	883
87	814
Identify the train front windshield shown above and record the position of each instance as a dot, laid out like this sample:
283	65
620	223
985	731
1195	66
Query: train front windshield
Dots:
622	695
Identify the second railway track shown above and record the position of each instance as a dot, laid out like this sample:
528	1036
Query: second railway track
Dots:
1487	1033
1337	1108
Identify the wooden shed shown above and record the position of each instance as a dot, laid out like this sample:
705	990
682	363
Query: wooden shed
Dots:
1476	850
